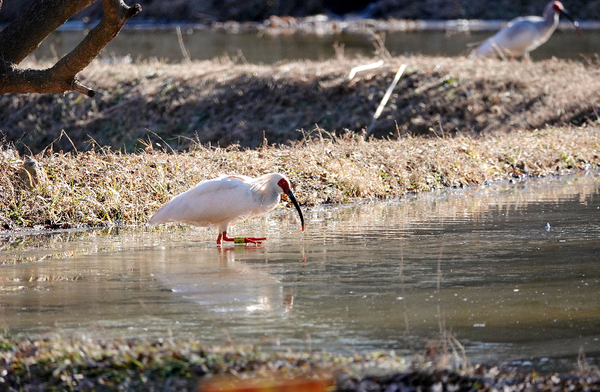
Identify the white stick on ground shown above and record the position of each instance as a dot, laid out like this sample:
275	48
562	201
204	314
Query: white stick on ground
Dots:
360	68
387	95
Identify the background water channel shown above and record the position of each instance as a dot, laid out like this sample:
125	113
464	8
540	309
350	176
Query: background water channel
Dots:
255	48
511	270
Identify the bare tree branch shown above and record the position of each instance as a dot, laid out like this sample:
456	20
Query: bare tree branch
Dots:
31	28
26	33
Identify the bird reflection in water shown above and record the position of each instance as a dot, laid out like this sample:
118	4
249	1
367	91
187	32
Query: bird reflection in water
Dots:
238	282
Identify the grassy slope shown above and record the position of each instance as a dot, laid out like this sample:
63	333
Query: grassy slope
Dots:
226	103
103	187
483	121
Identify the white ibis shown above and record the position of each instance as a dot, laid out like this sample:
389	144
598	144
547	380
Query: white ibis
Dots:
226	200
524	34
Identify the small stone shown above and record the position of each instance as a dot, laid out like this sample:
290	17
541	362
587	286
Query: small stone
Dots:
32	174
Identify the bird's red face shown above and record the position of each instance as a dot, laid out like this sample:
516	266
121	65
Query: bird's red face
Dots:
285	186
558	7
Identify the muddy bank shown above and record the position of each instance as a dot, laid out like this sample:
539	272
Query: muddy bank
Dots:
223	102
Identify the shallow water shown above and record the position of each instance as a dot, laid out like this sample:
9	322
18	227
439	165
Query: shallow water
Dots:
511	270
268	49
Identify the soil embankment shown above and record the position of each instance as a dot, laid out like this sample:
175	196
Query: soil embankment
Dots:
224	103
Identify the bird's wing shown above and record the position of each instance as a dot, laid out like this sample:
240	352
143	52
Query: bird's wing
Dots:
520	36
211	202
513	40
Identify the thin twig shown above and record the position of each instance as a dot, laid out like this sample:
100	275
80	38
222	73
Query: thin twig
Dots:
163	140
184	51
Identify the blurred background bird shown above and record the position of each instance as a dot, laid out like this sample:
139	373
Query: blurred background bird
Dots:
227	200
524	34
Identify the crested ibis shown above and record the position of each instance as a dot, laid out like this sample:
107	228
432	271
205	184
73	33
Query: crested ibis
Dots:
524	34
226	200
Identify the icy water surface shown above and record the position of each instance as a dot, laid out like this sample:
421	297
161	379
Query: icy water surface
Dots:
511	270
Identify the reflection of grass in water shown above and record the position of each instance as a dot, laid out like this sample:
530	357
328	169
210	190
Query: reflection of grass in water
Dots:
34	246
445	350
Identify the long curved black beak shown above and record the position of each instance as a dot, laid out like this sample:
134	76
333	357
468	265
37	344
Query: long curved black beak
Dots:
293	199
575	23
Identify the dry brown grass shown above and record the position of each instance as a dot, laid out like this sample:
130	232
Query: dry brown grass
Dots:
56	363
101	187
223	102
482	119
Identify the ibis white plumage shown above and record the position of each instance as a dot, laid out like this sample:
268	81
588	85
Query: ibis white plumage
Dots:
227	200
524	34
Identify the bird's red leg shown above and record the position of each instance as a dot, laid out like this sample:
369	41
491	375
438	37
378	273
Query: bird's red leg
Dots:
241	240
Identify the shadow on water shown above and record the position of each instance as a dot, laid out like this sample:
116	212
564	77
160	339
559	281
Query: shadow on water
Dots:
510	270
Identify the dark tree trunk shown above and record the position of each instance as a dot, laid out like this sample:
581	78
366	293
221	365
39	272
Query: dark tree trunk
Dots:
27	32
